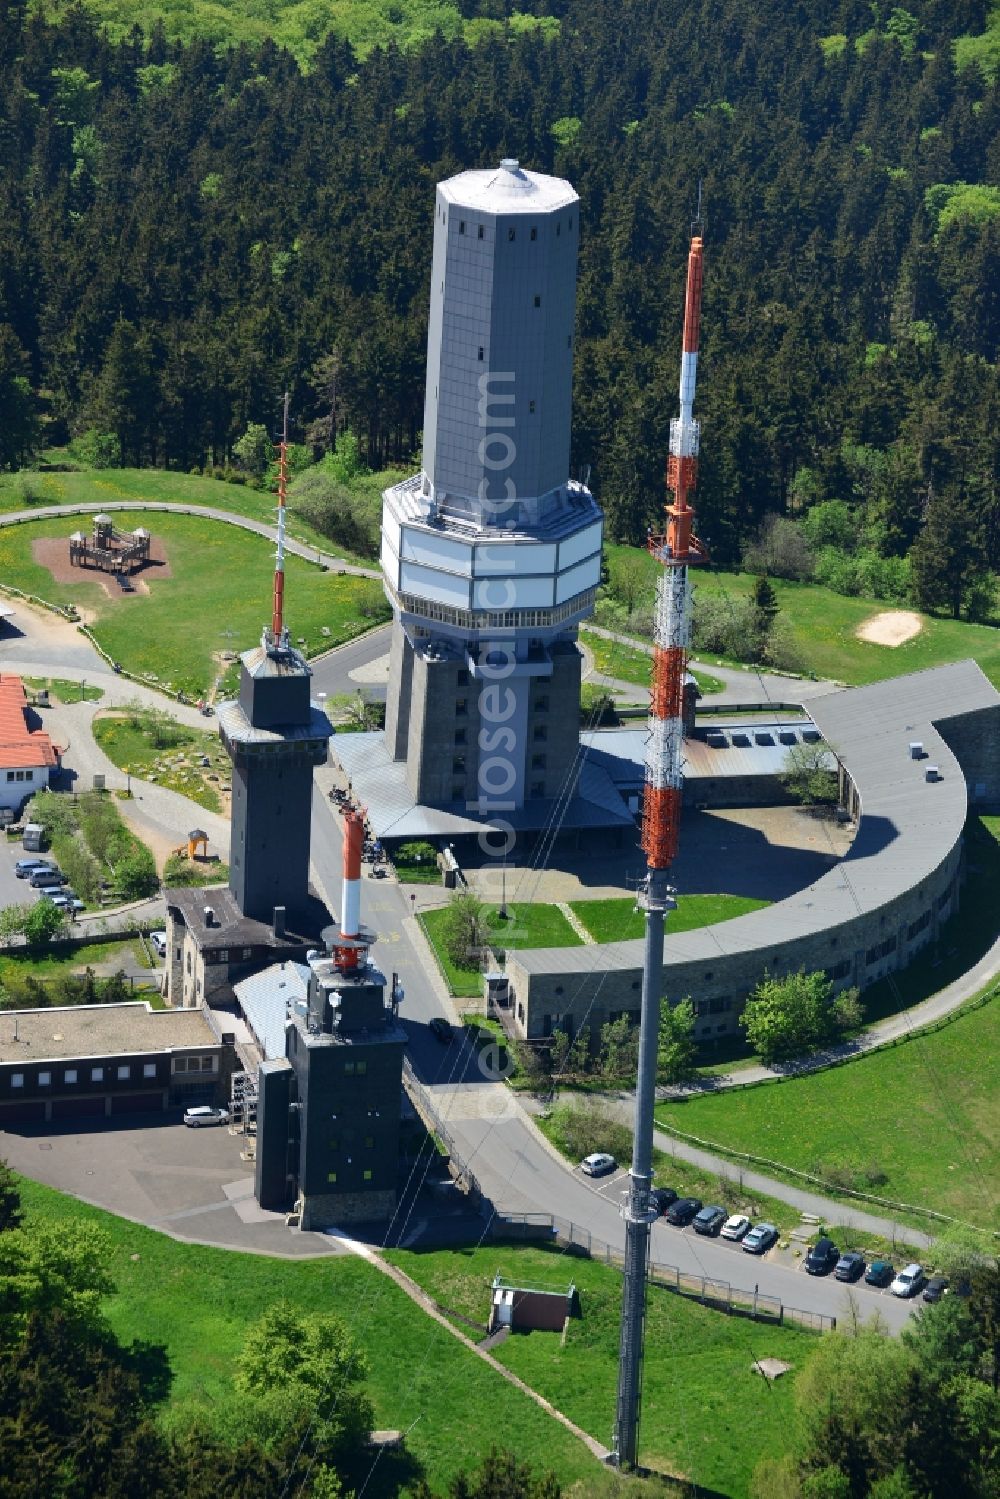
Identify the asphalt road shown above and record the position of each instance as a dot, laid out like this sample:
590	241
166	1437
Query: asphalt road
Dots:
331	673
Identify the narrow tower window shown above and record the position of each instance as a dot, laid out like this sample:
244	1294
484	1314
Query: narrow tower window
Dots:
461	226
534	232
479	232
538	301
512	234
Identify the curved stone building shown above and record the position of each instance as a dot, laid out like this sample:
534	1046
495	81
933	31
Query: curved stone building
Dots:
914	753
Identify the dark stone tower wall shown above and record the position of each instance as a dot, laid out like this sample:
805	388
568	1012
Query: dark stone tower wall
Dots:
274	737
269	847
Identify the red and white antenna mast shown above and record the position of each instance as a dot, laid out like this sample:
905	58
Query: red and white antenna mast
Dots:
676	550
279	632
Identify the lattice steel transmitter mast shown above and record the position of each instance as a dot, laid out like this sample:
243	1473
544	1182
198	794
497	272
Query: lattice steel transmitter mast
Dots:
676	550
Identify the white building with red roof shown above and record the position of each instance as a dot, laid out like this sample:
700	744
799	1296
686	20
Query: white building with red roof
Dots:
27	755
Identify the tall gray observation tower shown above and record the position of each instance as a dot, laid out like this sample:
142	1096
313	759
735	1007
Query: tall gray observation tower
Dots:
491	555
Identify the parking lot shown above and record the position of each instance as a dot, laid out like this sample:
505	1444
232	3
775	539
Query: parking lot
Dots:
790	1258
194	1184
13	892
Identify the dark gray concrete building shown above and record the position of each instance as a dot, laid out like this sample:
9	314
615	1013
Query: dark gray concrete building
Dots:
328	1090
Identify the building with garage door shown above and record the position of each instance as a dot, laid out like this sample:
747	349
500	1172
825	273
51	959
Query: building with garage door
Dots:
102	1061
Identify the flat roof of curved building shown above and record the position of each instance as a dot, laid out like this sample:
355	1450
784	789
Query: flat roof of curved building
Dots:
908	824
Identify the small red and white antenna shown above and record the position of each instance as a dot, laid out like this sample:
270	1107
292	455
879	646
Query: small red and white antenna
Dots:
350	941
279	632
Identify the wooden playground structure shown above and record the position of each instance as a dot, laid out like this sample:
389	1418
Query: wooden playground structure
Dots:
119	552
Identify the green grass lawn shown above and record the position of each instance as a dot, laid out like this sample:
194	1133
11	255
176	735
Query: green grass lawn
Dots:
705	1415
617	920
196	1303
529	926
64	691
128	743
59	960
154	486
823	624
217	598
917	1122
626	663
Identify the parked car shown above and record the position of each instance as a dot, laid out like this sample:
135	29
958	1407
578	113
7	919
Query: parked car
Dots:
599	1163
683	1210
822	1257
441	1030
66	900
909	1281
709	1220
879	1273
46	876
203	1114
760	1238
662	1198
850	1266
24	867
158	942
935	1288
736	1226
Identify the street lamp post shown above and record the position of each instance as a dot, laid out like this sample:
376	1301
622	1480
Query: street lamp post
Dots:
502	913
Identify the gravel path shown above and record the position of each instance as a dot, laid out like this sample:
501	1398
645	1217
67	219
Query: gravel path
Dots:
742	685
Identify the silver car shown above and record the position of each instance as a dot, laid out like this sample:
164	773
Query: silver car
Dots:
909	1281
203	1115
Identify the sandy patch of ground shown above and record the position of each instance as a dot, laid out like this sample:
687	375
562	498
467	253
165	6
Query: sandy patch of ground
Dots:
892	627
52	552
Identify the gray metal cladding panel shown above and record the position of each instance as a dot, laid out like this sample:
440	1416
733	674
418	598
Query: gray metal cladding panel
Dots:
271	1186
483	295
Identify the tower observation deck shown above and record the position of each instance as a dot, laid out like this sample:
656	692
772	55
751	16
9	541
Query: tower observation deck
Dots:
491	555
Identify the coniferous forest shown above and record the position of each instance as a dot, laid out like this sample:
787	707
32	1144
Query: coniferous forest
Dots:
187	230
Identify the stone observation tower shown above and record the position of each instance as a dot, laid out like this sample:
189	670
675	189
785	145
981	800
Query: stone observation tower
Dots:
275	736
491	555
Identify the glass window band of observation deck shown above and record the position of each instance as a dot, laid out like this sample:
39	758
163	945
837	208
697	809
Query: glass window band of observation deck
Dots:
498	619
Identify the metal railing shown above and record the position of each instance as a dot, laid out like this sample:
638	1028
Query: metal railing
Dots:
703	1288
421	1099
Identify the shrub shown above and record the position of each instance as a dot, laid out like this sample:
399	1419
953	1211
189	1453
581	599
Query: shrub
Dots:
780	549
582	1127
135	873
97	449
409	855
465	929
346	516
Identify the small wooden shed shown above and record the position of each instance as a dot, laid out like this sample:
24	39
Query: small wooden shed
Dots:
527	1309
